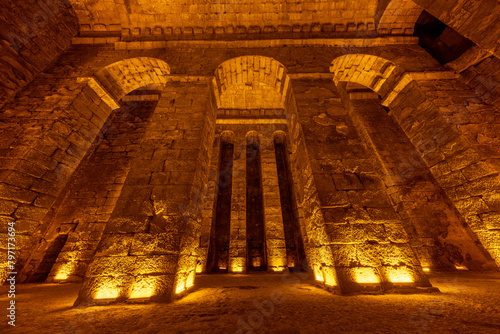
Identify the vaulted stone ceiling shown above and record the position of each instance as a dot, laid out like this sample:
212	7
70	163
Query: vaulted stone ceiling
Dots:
113	14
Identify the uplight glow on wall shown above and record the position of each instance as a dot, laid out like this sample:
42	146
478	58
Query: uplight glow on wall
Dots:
365	275
399	275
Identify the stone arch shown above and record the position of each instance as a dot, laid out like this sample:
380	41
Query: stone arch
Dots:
437	140
380	75
127	75
399	17
255	81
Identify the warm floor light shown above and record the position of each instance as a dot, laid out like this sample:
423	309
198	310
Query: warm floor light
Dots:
236	269
426	269
107	293
329	276
190	280
61	277
318	273
365	275
399	275
64	271
461	267
142	292
180	287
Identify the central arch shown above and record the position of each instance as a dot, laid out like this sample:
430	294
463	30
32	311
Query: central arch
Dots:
250	82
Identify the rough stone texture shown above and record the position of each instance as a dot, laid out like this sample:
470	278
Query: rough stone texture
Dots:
32	35
484	78
352	193
148	218
475	19
53	136
424	110
95	187
139	17
398	17
435	229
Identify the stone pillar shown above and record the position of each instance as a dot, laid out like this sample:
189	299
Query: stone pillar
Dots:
273	219
208	212
237	244
148	249
38	158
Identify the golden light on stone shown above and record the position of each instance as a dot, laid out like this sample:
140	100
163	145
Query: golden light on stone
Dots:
329	276
318	273
61	276
181	286
107	294
399	275
256	261
236	269
144	289
365	275
237	265
190	280
461	267
143	293
64	271
107	291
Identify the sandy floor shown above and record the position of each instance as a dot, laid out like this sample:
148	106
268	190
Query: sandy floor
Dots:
262	303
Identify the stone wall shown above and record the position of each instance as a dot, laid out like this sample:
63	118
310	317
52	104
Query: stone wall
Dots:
474	19
32	35
484	78
139	17
92	193
160	200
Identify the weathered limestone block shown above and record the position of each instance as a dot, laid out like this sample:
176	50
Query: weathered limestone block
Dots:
346	233
396	233
159	243
112	266
397	255
114	245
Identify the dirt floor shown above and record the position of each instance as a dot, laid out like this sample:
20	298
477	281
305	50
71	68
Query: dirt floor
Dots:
262	303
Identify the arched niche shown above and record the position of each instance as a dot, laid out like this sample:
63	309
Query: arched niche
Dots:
251	82
118	79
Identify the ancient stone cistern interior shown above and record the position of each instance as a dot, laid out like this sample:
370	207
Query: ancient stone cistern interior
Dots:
251	166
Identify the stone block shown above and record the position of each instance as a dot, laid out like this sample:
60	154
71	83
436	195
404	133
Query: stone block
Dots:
347	181
155	244
334	198
345	233
156	264
491	220
114	245
16	194
112	266
7	207
396	233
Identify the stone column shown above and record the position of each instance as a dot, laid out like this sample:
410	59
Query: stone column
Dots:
273	219
208	211
237	244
